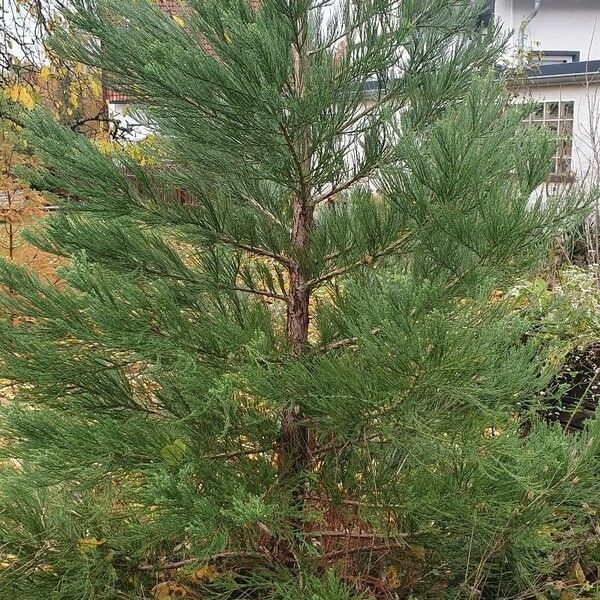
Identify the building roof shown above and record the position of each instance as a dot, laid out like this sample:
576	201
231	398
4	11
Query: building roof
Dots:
115	97
565	72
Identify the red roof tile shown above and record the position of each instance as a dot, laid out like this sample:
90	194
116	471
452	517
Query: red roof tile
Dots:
115	97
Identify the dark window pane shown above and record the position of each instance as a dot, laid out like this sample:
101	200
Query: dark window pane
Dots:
552	111
567	110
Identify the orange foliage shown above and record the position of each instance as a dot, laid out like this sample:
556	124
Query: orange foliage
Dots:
19	205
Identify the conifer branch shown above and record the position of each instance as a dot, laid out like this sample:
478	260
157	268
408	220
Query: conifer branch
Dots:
265	293
266	212
338	344
361	174
258	251
335	445
14	120
344	343
367	535
347	33
355	503
365	112
364	261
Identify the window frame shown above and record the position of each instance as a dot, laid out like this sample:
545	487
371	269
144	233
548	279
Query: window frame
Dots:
558	116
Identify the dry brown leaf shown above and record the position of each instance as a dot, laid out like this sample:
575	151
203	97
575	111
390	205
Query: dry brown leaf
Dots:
169	590
205	573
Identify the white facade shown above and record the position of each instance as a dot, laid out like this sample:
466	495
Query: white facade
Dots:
585	151
121	112
570	25
560	41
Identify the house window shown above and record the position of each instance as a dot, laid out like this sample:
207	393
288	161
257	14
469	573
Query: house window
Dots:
486	15
558	117
554	57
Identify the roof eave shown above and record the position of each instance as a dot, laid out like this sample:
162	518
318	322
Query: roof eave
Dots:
577	78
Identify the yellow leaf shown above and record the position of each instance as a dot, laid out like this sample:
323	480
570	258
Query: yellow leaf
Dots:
178	20
95	88
227	37
546	531
105	146
173	453
44	73
13	92
418	552
89	543
73	98
393	578
25	99
579	574
496	296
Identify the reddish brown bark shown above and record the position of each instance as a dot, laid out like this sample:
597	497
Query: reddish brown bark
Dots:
294	431
295	455
299	292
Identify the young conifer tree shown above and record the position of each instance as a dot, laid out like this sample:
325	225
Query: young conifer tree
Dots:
275	366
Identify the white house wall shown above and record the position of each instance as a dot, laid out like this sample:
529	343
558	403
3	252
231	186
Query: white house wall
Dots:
586	122
572	25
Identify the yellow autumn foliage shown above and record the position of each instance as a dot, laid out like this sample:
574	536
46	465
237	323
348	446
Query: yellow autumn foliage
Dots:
21	95
95	87
44	73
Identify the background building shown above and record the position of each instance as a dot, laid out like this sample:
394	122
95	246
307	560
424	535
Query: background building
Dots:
556	46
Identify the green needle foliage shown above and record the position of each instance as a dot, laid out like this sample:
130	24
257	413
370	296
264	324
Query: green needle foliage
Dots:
275	367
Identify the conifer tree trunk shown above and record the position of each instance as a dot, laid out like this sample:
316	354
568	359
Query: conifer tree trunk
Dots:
294	433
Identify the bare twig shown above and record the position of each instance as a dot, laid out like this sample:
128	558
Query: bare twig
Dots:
344	551
265	293
258	251
236	453
12	119
353	534
190	561
345	342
